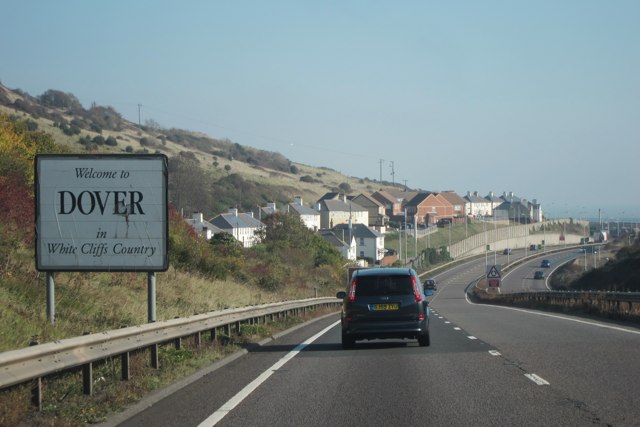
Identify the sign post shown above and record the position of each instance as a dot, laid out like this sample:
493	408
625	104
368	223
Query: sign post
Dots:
100	213
493	276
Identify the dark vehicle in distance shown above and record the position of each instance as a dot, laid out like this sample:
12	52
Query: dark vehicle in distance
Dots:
506	252
431	285
382	303
538	275
545	263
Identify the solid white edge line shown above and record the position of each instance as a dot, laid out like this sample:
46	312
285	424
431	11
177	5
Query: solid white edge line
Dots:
218	415
555	316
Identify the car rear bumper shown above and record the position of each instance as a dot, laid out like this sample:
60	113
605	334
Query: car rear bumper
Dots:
373	330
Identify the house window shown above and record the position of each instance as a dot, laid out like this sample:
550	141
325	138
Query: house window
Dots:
362	241
361	254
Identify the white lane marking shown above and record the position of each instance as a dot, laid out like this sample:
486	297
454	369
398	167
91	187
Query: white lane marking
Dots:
447	322
457	329
555	316
218	415
471	337
494	353
536	379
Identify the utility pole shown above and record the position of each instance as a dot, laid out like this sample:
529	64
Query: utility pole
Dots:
405	184
393	174
139	121
381	161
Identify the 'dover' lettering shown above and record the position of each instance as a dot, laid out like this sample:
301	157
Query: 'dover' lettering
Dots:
86	202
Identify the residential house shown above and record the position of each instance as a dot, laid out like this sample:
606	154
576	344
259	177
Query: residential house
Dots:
310	217
392	205
347	248
516	211
242	226
477	206
265	211
334	212
427	208
369	242
458	203
377	216
494	200
202	228
536	208
402	197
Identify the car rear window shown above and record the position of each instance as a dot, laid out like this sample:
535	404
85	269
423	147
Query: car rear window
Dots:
384	285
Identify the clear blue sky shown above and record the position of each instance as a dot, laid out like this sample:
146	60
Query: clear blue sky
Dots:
538	97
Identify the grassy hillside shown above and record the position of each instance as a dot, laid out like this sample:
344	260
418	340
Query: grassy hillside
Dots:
275	178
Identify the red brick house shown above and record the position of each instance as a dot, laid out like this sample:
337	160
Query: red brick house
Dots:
428	208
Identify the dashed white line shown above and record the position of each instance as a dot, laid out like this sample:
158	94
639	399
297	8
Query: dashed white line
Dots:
536	379
471	337
446	322
494	353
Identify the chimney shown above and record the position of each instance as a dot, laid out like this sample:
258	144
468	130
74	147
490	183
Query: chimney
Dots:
197	217
271	205
468	193
297	200
475	193
233	211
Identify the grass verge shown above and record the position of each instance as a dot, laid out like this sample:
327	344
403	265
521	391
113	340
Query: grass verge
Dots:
64	403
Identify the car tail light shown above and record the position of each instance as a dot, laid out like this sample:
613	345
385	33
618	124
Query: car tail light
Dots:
421	317
416	290
352	290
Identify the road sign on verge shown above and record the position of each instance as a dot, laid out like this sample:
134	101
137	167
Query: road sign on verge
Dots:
494	272
494	283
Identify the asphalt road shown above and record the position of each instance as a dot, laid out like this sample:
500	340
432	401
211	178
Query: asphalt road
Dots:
486	365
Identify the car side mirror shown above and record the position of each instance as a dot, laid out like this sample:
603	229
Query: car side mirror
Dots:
341	295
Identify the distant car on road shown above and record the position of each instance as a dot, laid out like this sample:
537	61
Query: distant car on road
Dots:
545	263
430	284
506	252
538	275
533	247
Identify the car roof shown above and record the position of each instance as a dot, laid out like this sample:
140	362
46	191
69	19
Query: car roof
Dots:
395	271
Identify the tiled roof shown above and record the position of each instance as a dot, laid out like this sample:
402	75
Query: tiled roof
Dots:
358	230
231	221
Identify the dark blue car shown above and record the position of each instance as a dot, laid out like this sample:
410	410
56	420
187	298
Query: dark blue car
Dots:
545	263
385	303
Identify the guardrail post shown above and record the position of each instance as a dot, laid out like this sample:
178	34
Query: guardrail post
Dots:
197	339
214	333
227	329
178	343
155	363
124	367
238	327
87	378
36	393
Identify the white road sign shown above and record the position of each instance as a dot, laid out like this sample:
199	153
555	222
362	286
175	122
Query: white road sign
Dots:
101	213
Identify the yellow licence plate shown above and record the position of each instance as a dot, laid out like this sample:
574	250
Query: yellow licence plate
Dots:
385	307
